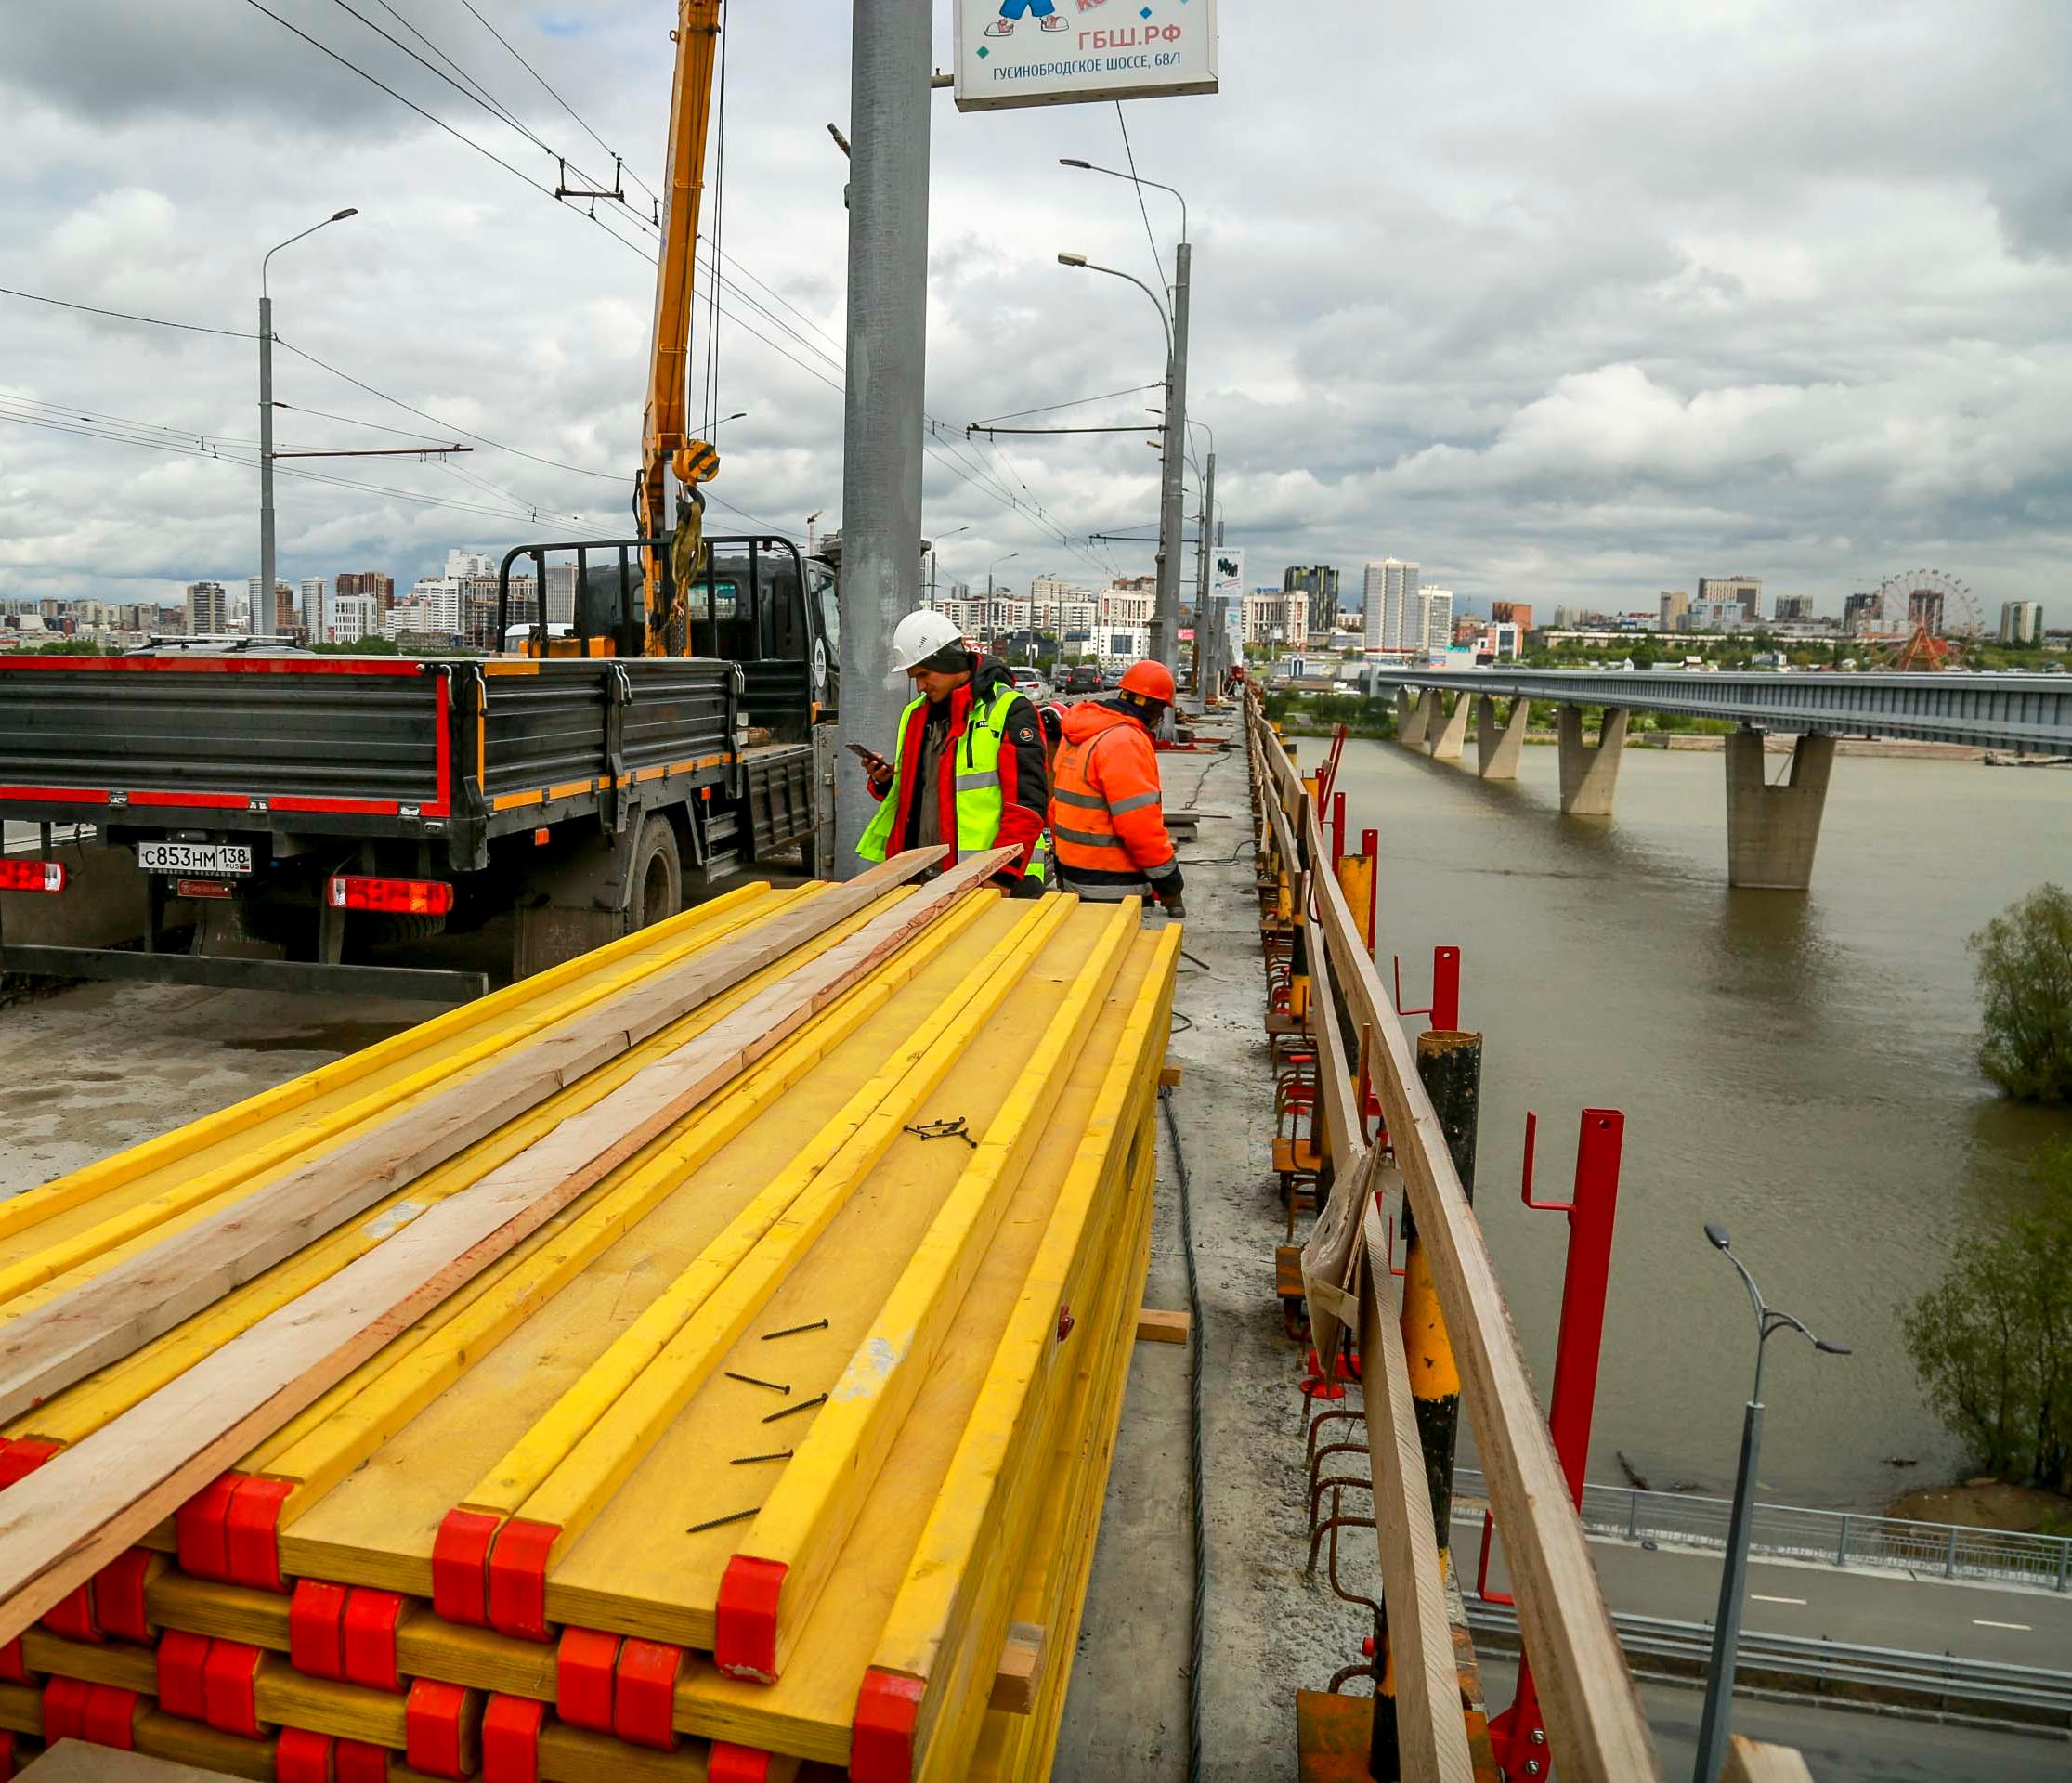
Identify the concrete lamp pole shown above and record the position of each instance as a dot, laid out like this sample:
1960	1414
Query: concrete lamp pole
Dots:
1165	623
986	639
266	423
1727	1622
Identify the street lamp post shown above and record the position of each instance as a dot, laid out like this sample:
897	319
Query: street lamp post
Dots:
1727	1622
934	546
1165	628
265	419
986	641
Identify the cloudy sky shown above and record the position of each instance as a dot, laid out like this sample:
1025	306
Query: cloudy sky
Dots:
1569	302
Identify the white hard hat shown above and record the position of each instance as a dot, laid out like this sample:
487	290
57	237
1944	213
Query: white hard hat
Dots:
919	636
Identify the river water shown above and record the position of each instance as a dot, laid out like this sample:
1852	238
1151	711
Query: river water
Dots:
1796	1067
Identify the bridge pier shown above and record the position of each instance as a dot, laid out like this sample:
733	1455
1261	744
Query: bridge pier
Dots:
1413	717
1773	830
1451	735
1590	771
1499	748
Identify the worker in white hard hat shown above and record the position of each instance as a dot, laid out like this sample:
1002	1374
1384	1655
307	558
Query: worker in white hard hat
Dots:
968	770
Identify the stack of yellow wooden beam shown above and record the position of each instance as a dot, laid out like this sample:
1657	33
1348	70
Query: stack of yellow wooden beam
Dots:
782	1442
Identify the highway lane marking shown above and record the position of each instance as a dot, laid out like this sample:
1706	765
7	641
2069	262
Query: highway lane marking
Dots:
2020	1628
1761	1599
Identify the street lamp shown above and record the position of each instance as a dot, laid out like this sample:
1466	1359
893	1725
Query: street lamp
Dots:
988	641
266	418
1726	1623
1165	630
934	544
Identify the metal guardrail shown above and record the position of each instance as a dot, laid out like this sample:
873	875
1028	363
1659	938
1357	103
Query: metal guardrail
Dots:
1839	1538
1980	1685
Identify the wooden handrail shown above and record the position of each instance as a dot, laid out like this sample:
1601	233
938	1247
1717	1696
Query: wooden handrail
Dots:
1595	1725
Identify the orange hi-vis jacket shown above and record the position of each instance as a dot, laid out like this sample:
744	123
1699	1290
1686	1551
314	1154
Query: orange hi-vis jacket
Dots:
1107	815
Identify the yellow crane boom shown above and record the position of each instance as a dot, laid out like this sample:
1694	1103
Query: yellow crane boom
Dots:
666	445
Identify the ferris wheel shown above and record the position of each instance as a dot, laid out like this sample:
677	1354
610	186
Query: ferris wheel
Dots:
1921	619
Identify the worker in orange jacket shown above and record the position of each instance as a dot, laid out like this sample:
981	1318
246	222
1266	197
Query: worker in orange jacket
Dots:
1107	815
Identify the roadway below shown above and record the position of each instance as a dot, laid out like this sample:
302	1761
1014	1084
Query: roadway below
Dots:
1914	1612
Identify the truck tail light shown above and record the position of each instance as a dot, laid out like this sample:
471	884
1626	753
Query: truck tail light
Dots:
32	876
395	897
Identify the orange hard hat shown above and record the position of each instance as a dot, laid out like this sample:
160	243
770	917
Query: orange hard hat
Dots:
1149	679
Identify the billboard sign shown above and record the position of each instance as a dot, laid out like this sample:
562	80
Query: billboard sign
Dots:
1065	52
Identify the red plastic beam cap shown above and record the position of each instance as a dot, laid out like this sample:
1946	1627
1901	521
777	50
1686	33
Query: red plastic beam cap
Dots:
582	1678
230	1676
881	1742
64	1710
205	1546
11	1666
21	1456
461	1567
433	1728
367	1632
119	1601
110	1717
646	1697
355	1761
518	1578
731	1764
316	1635
7	1758
73	1616
745	1635
252	1533
301	1756
511	1740
181	1659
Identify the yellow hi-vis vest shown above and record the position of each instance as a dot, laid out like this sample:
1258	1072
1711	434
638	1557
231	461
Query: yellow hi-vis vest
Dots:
980	801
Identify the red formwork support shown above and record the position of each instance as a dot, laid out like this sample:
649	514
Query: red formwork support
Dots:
1445	1008
1518	1736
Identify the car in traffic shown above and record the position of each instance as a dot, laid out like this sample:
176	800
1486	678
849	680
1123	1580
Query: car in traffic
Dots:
1085	678
1028	682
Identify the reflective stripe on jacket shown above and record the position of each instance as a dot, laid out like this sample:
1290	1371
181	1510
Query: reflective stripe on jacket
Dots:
1107	812
991	786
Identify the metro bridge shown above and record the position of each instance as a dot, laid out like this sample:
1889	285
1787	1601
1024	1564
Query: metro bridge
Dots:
1772	830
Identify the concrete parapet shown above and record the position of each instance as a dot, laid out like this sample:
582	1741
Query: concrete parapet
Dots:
1410	718
1447	739
1499	748
1773	830
1590	773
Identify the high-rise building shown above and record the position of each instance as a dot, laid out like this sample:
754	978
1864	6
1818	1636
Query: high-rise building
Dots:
283	610
208	609
1320	582
1374	582
1745	590
379	587
313	607
1396	626
2021	623
1796	609
1517	613
1436	618
1676	609
1925	608
1860	613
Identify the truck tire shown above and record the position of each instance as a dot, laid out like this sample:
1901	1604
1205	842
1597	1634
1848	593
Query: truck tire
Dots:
657	887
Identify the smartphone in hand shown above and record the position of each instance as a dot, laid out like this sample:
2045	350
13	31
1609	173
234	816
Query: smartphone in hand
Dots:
874	763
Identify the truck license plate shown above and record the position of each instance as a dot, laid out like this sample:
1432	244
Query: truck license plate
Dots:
207	858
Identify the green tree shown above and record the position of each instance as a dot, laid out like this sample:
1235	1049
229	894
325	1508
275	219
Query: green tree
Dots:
2024	960
1992	1341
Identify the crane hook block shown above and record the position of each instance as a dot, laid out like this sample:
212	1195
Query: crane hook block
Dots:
697	462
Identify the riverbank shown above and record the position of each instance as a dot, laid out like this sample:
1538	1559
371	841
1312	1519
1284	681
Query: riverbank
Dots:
1986	1503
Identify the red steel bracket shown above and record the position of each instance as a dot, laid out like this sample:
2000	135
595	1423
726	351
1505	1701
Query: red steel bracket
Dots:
204	1547
367	1638
518	1578
355	1761
730	1763
745	1632
315	1632
252	1533
229	1675
882	1741
582	1678
461	1567
435	1727
645	1699
301	1756
64	1710
119	1602
511	1740
181	1657
110	1717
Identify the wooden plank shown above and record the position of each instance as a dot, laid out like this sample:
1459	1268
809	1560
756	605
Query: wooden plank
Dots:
1168	1075
1156	1325
1594	1718
1430	1728
65	1521
1748	1762
1020	1677
120	1310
